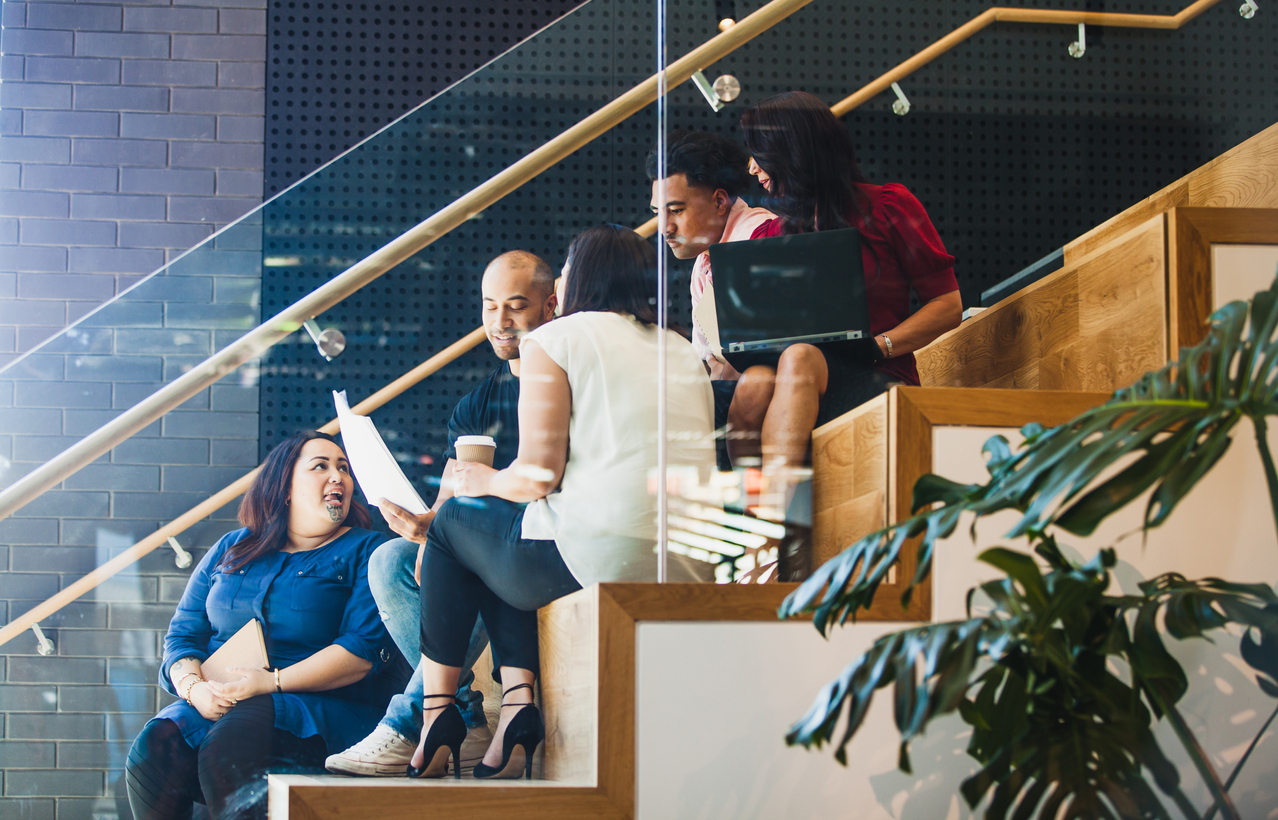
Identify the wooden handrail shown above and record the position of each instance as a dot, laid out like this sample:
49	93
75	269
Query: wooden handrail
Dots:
1009	15
257	341
471	340
225	496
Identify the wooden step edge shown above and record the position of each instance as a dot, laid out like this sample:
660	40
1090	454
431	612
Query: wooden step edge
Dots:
599	625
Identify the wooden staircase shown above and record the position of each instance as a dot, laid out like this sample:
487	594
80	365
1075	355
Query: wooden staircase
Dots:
1131	292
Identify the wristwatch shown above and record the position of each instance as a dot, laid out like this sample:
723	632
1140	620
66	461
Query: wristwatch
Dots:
886	343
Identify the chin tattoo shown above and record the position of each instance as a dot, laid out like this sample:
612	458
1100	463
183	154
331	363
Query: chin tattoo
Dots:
334	512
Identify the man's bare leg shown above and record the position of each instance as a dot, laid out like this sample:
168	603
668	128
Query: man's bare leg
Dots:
747	412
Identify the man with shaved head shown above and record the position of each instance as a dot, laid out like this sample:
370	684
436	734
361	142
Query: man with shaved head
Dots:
518	292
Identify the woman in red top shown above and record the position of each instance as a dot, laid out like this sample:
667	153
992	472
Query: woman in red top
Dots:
803	156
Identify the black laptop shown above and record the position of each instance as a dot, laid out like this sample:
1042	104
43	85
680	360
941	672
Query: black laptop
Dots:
805	288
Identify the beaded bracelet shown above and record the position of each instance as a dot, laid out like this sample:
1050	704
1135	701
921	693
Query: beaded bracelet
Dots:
187	696
182	679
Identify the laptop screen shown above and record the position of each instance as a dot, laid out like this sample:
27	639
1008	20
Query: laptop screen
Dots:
788	286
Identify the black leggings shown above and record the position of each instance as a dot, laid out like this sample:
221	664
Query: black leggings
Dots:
476	563
165	776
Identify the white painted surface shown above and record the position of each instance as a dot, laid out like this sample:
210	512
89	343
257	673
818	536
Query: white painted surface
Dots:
1224	528
715	701
1238	271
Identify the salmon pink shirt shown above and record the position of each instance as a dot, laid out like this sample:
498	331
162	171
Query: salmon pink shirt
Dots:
741	224
900	250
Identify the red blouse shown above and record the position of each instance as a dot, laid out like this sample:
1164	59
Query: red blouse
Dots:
900	250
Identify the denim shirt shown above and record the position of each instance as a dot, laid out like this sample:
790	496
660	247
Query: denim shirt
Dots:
305	601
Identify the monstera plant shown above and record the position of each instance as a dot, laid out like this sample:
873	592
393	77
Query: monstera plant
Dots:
1061	680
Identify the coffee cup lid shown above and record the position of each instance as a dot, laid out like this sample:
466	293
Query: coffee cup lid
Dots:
484	440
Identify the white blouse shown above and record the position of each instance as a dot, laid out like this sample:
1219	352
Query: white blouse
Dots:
603	517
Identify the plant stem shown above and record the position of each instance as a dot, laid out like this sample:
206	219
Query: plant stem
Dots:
1196	753
1238	768
1271	475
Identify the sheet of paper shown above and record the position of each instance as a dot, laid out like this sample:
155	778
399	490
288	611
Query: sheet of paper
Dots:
378	473
707	320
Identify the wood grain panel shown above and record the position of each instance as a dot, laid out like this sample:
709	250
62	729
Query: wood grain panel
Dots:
1095	325
338	798
1243	177
1008	338
568	634
699	602
616	683
909	459
835	528
849	478
974	407
849	457
1191	233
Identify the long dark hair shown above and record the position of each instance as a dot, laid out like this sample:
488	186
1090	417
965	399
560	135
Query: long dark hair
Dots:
264	509
807	152
610	267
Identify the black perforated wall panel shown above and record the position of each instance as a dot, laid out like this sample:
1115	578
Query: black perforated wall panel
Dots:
338	71
1013	146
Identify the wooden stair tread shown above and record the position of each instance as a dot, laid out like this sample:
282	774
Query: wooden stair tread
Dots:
337	781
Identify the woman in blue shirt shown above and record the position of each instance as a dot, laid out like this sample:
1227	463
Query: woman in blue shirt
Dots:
300	568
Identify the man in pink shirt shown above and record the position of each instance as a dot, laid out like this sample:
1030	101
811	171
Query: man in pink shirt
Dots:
706	175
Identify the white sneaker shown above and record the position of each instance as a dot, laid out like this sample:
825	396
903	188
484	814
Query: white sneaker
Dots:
474	746
384	753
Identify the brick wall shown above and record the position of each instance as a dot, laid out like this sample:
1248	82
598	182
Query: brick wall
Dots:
128	134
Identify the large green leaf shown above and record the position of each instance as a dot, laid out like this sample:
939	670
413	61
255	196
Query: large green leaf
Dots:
1055	728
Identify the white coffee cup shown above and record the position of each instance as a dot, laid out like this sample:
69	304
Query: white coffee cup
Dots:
476	448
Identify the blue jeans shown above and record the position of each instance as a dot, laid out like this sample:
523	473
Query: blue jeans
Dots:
390	576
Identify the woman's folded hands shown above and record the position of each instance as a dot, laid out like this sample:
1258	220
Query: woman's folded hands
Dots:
208	701
224	696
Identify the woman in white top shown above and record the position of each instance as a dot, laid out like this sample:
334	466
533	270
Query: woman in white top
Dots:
587	451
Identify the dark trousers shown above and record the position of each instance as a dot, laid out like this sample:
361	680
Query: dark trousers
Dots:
476	563
166	777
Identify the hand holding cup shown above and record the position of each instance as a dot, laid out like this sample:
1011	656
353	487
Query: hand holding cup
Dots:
474	465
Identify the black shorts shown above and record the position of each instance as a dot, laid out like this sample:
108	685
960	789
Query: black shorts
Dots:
852	383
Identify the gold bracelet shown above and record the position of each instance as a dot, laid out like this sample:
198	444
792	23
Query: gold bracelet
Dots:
183	678
278	688
190	686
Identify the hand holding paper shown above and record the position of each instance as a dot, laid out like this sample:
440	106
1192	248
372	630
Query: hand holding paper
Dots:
378	473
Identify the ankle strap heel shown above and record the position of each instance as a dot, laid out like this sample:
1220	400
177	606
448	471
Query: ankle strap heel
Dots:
524	733
442	741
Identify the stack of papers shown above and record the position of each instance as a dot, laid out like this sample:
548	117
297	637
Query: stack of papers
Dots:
378	473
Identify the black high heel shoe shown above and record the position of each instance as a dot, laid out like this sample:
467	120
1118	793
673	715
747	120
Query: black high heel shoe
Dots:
525	732
445	737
